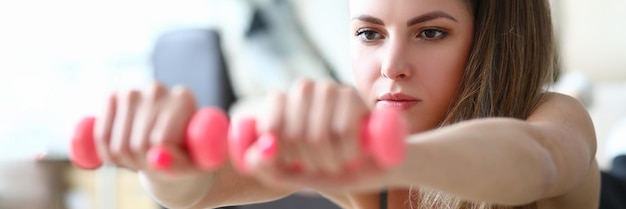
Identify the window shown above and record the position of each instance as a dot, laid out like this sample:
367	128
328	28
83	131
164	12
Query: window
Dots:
60	59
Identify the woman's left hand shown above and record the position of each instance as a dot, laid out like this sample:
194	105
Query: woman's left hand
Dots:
315	141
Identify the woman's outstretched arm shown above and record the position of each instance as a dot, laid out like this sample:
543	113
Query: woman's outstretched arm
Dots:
225	187
506	161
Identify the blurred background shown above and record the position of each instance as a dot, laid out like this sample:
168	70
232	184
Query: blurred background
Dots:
60	59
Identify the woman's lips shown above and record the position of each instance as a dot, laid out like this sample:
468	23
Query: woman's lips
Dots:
397	100
398	104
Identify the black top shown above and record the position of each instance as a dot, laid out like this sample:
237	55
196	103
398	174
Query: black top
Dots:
383	200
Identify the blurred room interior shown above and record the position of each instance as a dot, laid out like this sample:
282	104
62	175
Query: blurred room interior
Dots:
60	59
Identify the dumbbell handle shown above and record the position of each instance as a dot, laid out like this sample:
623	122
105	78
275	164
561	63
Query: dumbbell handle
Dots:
207	140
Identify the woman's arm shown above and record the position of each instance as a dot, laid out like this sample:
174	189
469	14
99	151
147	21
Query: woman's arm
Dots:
226	187
506	161
231	188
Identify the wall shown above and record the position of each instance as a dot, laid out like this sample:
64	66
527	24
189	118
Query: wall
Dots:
594	37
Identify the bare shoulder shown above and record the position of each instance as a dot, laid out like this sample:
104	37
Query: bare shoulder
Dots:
557	104
567	117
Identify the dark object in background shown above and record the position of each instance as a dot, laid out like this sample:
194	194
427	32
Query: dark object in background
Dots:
193	58
298	201
613	191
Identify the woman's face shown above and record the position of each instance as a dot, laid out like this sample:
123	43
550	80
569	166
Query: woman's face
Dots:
410	55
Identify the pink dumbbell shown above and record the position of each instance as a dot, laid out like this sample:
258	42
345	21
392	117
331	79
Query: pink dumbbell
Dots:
382	137
207	140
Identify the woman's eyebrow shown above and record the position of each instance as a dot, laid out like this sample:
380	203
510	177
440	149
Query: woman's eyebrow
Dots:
370	19
416	20
430	16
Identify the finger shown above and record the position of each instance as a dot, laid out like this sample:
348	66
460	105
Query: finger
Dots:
297	114
261	161
319	131
103	128
274	122
171	124
298	107
123	124
350	113
171	161
144	122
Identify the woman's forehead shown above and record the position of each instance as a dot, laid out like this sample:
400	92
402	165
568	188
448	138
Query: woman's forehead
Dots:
404	9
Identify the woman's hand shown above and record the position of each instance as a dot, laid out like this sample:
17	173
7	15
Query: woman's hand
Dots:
135	121
317	129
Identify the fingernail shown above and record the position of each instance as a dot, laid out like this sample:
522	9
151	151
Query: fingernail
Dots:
268	146
160	158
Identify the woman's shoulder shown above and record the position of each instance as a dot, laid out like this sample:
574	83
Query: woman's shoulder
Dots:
558	99
562	108
571	114
566	113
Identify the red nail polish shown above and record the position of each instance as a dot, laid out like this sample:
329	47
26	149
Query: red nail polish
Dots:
160	158
268	146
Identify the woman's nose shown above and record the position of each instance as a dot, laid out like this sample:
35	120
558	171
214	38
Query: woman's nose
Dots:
396	65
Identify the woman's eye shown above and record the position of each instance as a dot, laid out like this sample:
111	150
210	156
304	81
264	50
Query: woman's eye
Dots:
368	35
432	34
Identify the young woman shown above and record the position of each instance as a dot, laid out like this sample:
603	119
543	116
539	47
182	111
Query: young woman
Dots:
468	77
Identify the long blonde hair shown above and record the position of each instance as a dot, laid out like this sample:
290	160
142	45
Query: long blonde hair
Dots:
514	55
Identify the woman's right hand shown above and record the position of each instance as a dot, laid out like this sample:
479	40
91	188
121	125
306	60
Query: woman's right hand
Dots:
134	121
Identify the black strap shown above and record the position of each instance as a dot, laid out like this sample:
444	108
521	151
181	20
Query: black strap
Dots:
383	200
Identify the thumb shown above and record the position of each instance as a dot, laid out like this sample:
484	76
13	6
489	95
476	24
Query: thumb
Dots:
170	160
260	158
